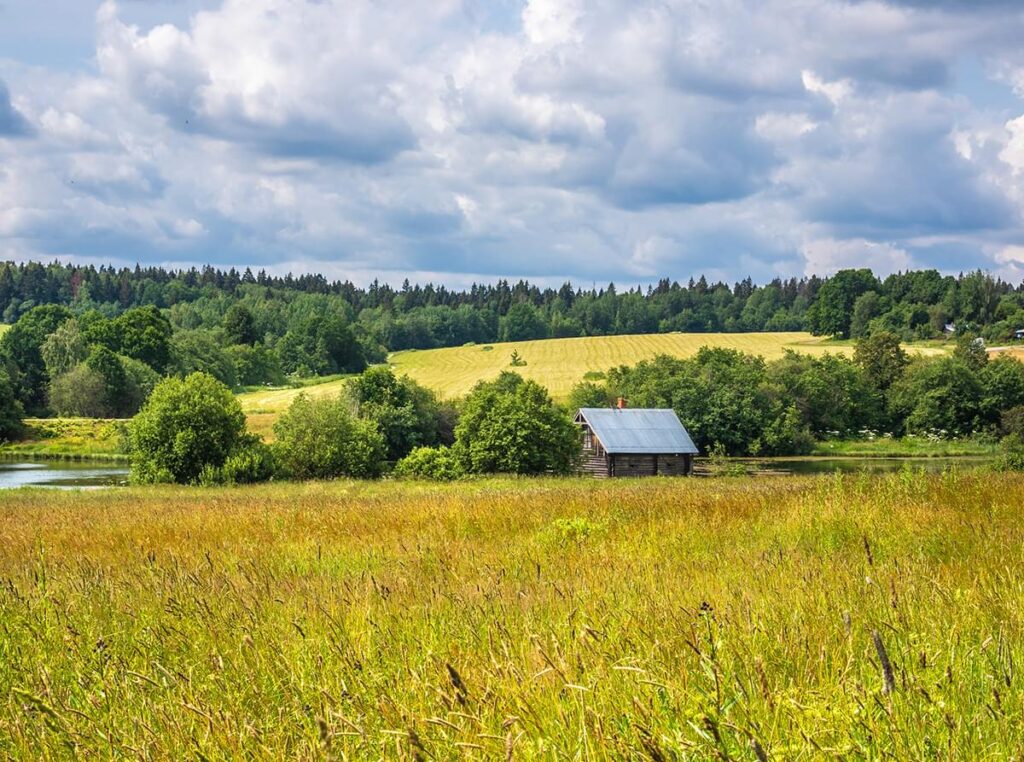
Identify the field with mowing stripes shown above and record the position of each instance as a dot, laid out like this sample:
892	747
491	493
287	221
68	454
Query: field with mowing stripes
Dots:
776	618
558	364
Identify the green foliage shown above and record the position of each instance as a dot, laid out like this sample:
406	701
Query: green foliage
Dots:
942	396
321	346
516	361
11	411
144	334
21	347
323	439
255	365
201	351
588	394
80	392
511	426
832	313
250	309
832	394
1011	454
406	414
115	381
140	380
867	306
785	434
523	322
1002	380
240	326
65	348
970	350
186	426
1011	421
722	396
882	358
251	462
438	463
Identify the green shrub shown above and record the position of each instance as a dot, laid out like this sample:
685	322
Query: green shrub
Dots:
589	394
251	462
1011	455
1012	421
439	463
186	426
406	414
511	426
322	439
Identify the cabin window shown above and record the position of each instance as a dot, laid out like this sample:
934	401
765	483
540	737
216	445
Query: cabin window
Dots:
588	438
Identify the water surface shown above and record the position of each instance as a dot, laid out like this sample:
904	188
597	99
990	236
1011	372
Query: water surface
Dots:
61	474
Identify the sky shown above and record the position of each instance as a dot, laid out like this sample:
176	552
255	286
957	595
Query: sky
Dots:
456	141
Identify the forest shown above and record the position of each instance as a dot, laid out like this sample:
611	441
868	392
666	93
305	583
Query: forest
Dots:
96	343
278	312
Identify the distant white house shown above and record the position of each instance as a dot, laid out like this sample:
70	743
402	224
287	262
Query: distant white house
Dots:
1019	334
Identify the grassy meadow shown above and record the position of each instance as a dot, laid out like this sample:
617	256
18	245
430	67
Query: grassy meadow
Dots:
70	439
795	618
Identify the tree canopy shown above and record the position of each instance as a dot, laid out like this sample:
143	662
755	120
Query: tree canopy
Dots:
187	427
512	426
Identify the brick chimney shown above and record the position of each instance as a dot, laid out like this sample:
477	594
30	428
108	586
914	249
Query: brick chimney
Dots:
620	403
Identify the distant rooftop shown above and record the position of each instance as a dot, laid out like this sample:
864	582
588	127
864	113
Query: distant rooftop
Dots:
639	431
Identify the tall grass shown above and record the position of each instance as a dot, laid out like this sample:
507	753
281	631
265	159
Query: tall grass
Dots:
787	618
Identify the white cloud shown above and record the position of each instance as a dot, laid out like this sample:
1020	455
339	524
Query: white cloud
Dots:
552	22
1013	151
598	140
836	91
824	256
783	127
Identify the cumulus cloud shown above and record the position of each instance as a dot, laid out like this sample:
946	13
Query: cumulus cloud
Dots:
293	79
595	141
824	256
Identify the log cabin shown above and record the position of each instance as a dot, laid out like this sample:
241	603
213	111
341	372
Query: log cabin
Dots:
621	441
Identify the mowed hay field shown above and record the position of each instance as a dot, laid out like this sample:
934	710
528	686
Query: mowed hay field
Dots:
559	364
781	618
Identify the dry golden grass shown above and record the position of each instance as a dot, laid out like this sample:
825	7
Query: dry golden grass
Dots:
1016	352
523	619
276	401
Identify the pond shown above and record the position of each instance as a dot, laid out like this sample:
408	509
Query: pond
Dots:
91	475
61	474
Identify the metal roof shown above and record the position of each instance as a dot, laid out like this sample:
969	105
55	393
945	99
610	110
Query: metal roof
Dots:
639	431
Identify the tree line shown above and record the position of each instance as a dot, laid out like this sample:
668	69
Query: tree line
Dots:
379	318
